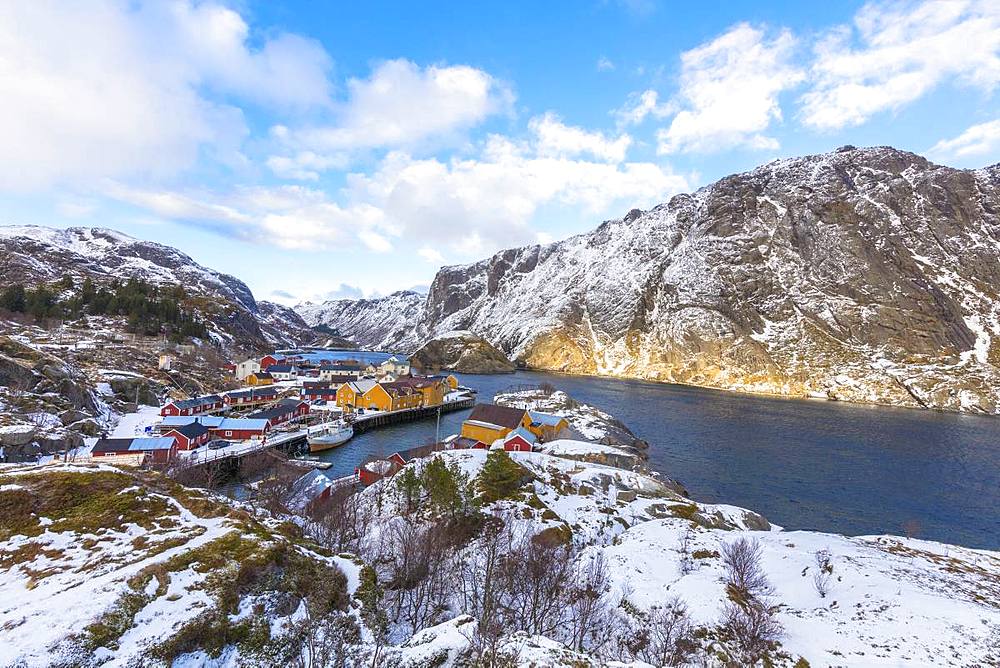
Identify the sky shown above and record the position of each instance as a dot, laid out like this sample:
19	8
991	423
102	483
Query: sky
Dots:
330	150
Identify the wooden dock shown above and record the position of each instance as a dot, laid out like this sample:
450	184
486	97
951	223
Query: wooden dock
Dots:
369	421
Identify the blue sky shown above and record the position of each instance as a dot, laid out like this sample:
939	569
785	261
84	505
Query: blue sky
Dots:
345	149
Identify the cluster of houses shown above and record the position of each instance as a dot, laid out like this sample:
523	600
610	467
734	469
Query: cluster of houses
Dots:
488	426
276	368
188	431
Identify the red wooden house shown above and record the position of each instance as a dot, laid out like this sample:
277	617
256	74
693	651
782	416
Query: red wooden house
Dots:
194	406
270	360
160	449
519	440
284	411
190	436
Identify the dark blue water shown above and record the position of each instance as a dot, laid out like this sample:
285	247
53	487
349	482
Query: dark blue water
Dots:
802	464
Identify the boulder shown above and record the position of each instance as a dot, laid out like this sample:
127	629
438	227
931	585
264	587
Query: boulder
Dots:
17	434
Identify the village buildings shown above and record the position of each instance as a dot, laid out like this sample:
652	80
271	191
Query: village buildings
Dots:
489	423
260	378
159	449
196	406
247	367
190	436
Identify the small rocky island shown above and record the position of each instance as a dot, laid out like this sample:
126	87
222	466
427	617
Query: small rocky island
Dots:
461	351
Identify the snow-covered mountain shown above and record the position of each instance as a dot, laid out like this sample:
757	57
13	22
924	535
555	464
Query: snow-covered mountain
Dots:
34	254
382	323
862	274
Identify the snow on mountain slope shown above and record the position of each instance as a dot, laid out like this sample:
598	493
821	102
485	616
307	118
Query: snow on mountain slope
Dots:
863	274
384	323
37	254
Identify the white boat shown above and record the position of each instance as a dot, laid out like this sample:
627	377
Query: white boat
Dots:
328	435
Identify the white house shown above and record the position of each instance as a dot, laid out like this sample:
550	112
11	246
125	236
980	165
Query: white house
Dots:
283	371
247	368
394	367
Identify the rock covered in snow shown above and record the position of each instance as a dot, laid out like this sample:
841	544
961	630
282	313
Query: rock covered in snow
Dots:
33	253
463	352
384	323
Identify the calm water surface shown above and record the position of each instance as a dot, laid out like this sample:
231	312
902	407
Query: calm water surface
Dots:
802	464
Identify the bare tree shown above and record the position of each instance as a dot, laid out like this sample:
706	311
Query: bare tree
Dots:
665	637
744	574
749	619
686	563
418	583
589	609
823	572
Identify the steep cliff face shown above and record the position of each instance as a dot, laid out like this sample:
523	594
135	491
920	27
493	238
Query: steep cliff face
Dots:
35	254
863	274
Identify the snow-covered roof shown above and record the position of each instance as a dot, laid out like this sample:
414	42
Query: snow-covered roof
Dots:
547	419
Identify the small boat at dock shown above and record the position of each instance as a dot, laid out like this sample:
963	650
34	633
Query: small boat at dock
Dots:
328	435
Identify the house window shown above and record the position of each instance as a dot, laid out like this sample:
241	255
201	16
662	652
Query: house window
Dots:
229	433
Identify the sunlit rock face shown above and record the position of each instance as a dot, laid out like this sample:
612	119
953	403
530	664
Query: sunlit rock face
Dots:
863	275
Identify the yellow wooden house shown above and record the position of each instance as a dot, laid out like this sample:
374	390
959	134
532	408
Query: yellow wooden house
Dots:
547	427
370	394
489	422
260	378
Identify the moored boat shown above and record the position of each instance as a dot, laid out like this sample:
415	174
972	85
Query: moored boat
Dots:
328	435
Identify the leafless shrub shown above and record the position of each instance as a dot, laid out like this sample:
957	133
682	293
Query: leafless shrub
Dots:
547	388
666	636
752	631
589	609
419	578
339	522
745	577
823	572
748	624
686	563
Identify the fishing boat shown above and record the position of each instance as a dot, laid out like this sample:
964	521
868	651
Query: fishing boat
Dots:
328	435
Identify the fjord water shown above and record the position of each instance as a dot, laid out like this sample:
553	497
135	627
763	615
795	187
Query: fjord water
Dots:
816	465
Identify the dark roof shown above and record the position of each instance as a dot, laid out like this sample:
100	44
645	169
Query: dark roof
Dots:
262	374
283	407
197	401
261	392
498	415
398	387
280	368
144	444
315	384
191	430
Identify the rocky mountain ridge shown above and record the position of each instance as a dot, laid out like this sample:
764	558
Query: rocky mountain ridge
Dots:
862	274
37	254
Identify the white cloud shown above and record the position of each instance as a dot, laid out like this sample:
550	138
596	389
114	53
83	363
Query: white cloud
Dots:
459	208
115	89
465	208
432	255
605	65
553	138
977	140
729	91
896	53
639	106
401	105
292	217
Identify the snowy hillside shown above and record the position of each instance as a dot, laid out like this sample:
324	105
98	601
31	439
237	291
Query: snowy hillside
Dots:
34	254
864	274
384	323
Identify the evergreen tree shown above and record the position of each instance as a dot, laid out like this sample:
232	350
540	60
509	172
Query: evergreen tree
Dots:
409	486
13	298
443	485
500	477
